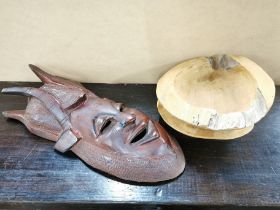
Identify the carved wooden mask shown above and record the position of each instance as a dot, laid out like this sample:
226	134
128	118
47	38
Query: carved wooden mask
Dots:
107	135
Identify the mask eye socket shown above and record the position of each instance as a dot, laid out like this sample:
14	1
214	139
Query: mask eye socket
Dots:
106	124
100	124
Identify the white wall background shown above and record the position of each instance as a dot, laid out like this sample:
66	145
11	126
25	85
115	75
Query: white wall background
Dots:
128	41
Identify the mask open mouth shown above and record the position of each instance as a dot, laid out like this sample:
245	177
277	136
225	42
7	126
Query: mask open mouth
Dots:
143	133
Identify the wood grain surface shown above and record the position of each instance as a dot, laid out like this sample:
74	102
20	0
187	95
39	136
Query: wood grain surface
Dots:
239	173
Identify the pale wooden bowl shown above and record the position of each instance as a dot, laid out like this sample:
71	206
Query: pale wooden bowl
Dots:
217	97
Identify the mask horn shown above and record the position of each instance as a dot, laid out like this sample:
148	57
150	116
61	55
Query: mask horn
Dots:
51	79
48	100
15	114
69	137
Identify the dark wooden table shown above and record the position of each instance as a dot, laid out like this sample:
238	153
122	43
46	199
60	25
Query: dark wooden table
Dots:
219	174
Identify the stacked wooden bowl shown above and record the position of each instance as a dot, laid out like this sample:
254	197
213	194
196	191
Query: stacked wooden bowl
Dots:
217	97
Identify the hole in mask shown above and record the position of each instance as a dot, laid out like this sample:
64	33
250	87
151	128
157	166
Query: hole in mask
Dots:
121	108
78	103
101	124
139	136
105	125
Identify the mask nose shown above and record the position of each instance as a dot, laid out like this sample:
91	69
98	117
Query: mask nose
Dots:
125	119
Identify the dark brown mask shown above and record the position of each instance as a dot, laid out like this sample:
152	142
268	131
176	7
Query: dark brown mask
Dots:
107	135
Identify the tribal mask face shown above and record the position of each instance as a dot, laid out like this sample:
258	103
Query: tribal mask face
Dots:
107	135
